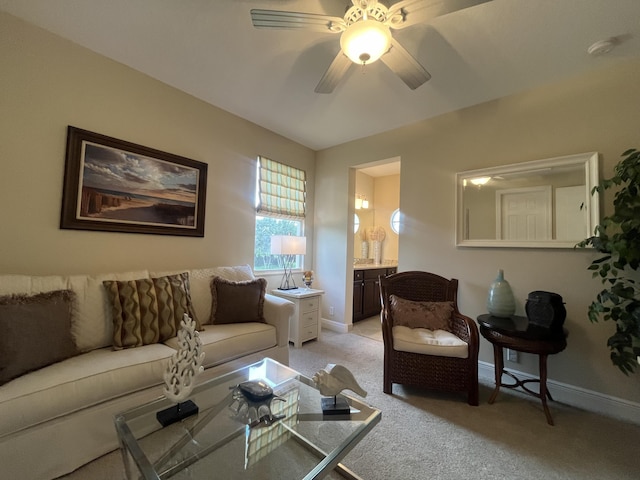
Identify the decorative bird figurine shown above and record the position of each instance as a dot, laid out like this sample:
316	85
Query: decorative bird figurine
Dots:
332	379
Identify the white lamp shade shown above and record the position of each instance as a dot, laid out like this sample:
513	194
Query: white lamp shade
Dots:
288	245
365	41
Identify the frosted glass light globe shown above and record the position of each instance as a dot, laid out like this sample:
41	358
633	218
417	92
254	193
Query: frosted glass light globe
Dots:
365	41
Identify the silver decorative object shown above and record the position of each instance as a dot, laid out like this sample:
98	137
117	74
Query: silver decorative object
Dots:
185	364
251	403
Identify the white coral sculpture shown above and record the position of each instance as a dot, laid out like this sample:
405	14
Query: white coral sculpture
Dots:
185	364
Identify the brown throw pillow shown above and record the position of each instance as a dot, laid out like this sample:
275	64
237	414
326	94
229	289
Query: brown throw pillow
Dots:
237	302
431	315
36	332
148	310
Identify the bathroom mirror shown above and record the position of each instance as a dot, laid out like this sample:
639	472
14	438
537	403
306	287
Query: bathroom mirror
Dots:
543	203
367	220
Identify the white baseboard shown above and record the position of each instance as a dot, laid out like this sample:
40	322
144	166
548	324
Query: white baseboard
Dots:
575	396
562	392
335	326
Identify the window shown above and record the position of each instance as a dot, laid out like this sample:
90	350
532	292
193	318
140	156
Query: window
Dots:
395	221
280	205
356	223
266	226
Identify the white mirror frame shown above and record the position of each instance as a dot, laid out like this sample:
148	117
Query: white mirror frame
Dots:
588	160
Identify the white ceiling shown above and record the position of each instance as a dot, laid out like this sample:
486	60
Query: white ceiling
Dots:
209	49
382	168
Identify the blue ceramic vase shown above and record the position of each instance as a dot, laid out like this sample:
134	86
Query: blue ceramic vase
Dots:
500	302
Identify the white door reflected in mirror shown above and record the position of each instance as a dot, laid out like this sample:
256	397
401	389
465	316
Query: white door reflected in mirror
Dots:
543	203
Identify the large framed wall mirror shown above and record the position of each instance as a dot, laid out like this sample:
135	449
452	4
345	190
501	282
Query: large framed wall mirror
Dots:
543	203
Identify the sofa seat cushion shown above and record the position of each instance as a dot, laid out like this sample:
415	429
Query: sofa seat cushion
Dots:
222	343
429	342
80	382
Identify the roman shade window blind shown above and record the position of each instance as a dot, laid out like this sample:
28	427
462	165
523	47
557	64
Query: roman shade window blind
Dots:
282	189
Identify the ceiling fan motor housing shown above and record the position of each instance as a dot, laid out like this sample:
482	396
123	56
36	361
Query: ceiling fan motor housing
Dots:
364	10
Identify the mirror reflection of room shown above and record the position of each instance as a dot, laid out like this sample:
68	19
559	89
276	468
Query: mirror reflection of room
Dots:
540	201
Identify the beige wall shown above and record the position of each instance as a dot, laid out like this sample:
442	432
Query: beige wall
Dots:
48	83
595	112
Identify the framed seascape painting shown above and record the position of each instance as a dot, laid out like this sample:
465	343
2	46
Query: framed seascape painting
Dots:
117	186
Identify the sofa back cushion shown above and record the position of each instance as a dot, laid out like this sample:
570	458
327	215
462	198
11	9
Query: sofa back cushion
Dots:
30	285
200	281
91	322
35	331
148	310
91	325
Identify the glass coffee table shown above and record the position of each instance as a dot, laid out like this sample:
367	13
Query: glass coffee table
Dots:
218	442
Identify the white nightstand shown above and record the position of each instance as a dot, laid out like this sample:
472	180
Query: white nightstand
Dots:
305	324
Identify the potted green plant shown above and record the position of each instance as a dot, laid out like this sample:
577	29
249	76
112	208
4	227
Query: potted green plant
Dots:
617	237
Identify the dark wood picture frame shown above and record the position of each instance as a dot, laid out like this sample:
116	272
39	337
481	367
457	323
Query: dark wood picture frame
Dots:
117	186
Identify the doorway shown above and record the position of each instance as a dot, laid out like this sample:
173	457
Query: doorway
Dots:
376	236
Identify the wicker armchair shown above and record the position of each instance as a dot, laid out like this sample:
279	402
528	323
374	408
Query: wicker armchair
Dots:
425	370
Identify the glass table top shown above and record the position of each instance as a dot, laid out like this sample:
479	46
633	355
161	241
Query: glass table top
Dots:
225	438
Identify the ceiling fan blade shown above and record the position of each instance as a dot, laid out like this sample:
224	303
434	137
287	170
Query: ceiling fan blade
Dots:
405	66
334	73
410	12
293	20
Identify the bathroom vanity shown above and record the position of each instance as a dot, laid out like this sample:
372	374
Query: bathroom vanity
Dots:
366	290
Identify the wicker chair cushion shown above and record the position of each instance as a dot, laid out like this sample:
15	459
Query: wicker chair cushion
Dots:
431	315
429	342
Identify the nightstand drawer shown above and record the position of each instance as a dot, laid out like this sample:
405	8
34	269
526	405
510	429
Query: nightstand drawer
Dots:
309	319
309	304
308	333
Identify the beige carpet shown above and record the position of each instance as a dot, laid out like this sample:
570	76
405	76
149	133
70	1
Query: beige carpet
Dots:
424	435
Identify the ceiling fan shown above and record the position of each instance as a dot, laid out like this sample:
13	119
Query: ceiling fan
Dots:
365	34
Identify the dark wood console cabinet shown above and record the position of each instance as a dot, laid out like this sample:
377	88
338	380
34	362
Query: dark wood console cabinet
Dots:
366	291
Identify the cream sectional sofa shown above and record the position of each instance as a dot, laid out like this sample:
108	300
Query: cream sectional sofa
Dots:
60	417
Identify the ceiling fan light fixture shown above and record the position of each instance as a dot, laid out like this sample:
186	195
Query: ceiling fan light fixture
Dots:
479	181
366	41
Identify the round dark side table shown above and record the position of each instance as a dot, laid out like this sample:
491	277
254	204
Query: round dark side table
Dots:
517	333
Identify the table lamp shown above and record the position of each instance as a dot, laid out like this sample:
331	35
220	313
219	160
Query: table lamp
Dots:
288	246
